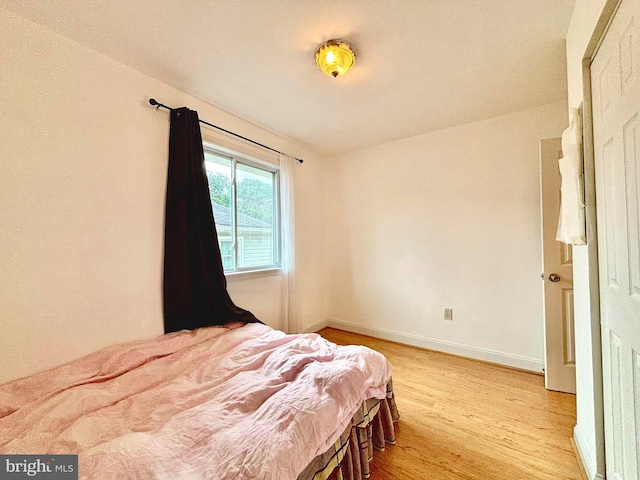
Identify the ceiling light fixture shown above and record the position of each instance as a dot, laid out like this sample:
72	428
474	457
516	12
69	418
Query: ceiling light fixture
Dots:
335	57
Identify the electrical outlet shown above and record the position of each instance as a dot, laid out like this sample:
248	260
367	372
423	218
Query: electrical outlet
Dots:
448	314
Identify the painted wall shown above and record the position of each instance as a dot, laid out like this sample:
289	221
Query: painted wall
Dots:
446	219
83	163
588	433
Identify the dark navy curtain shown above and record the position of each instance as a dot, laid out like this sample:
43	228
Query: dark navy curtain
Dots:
195	288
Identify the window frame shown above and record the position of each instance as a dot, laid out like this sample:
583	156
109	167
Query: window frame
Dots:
238	158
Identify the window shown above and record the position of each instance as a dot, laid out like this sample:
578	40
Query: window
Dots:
244	196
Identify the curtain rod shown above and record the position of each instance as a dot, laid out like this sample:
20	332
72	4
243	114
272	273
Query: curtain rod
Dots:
154	103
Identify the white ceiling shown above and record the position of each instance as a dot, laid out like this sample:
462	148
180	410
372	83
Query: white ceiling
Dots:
422	65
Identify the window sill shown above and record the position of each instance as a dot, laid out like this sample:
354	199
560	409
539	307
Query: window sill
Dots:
267	272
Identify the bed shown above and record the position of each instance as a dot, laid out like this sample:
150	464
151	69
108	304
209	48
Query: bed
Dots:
238	401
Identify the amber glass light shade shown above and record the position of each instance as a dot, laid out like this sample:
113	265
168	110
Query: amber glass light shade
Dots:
335	57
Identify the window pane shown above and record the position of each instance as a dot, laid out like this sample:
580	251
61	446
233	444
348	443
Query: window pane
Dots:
244	206
256	220
218	169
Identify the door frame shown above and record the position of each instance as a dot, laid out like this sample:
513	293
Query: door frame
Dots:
599	32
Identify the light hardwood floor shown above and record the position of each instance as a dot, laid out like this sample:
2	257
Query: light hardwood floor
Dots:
462	419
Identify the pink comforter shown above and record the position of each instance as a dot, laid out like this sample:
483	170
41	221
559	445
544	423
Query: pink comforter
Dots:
214	403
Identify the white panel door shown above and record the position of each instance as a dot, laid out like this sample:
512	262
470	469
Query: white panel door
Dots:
616	122
560	363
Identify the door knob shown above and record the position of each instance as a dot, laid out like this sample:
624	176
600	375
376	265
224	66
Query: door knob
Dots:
554	277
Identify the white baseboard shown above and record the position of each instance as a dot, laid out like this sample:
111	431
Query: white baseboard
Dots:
314	327
477	353
588	462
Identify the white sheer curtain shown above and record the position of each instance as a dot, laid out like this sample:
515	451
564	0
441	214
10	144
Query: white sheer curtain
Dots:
290	316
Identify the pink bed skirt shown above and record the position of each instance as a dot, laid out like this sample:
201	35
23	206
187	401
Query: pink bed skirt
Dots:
371	429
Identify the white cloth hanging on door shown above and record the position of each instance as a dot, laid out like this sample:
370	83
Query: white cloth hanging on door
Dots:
571	224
